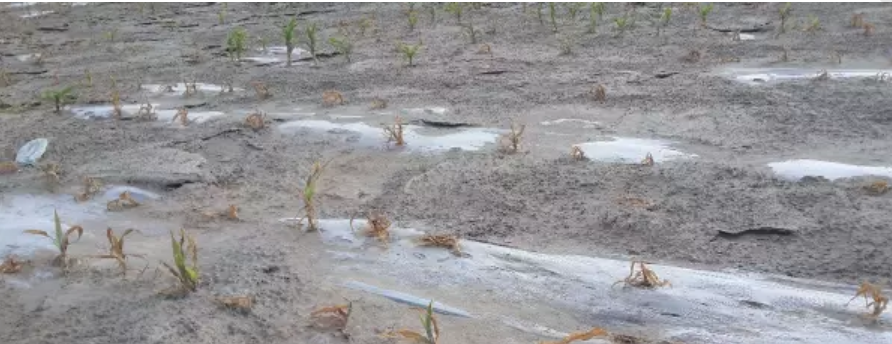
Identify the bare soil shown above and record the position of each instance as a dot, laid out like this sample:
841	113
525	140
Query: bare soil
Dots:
722	209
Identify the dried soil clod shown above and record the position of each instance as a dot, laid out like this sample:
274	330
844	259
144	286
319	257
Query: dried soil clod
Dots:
445	241
256	121
580	336
873	298
242	303
648	160
124	201
91	187
377	226
576	153
333	317
332	98
644	278
11	265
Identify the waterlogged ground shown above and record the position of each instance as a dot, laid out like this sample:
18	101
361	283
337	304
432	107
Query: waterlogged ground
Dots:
765	206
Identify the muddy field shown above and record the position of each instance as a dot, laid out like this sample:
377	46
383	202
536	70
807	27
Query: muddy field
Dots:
771	158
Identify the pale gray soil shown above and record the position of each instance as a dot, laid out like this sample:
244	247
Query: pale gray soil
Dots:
538	199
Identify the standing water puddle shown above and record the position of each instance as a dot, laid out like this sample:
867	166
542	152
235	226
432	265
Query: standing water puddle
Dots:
630	150
755	76
797	169
416	137
700	306
275	55
131	110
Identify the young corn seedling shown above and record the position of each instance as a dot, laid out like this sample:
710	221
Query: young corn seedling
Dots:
873	298
539	16
88	77
185	273
59	97
241	303
449	242
623	24
378	104
394	132
333	317
256	121
377	226
552	14
116	249
412	18
576	153
312	43
454	8
11	265
91	187
60	239
332	98
308	194
409	52
664	19
288	33
221	15
236	43
704	13
644	278
432	11
784	13
124	201
261	90
814	24
573	9
582	336
182	115
343	45
511	140
431	333
117	110
471	32
592	19
858	20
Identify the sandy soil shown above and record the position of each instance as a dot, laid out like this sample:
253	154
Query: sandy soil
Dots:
693	212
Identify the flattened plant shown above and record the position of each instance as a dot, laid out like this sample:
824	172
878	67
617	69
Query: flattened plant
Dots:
431	333
868	29
511	140
240	303
873	299
91	187
124	201
61	239
643	278
449	242
394	132
185	273
308	195
377	226
332	317
288	34
231	213
59	97
332	98
580	336
409	51
116	249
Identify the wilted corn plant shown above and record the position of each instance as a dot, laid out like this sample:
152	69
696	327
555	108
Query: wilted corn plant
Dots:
308	194
581	336
185	273
182	115
644	278
377	226
60	239
332	98
873	298
261	90
256	120
288	33
116	249
409	52
11	265
431	333
124	201
332	317
52	175
236	43
240	303
91	187
59	97
511	140
576	153
449	242
394	132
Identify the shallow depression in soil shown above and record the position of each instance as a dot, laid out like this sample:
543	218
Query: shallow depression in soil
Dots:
797	169
700	306
416	137
763	75
631	150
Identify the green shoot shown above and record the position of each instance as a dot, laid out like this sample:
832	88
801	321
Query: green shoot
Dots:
664	19
111	34
186	275
413	19
784	14
598	9
364	25
593	18
264	42
235	43
623	24
88	77
539	13
471	32
409	52
60	239
308	195
288	35
5	79
343	46
551	13
221	16
432	9
704	12
311	31
455	8
431	333
59	97
573	9
814	24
